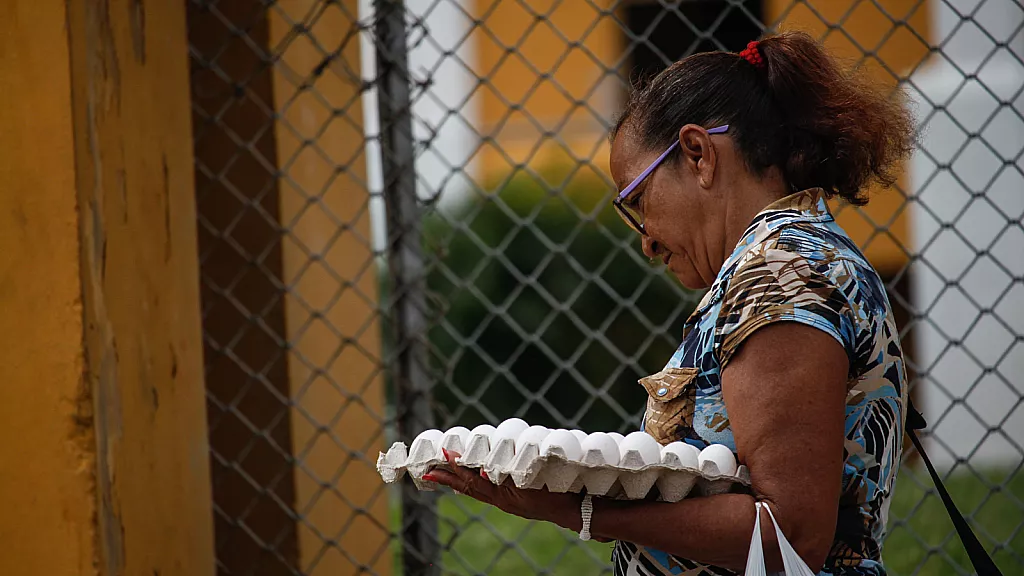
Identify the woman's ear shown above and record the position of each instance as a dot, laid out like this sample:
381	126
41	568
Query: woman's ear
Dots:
698	154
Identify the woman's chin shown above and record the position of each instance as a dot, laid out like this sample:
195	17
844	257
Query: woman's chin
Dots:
689	279
693	285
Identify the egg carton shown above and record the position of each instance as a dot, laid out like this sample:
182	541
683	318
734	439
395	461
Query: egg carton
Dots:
608	465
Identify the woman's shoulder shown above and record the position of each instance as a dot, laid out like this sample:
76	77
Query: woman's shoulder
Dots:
807	249
806	273
829	267
818	252
809	265
817	242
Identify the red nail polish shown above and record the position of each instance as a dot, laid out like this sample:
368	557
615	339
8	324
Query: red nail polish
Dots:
445	452
430	478
484	474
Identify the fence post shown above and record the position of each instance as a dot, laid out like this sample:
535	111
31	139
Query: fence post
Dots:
406	283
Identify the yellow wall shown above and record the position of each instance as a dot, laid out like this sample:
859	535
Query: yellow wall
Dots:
246	371
106	454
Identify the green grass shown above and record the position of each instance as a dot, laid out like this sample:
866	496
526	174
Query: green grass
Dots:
480	540
918	522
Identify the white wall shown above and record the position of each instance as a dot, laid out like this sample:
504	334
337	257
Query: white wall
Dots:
981	359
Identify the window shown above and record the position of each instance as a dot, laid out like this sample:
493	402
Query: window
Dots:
668	37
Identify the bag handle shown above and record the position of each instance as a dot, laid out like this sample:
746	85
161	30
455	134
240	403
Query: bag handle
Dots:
755	557
980	558
792	564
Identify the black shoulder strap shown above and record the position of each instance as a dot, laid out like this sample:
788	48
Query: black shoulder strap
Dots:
980	559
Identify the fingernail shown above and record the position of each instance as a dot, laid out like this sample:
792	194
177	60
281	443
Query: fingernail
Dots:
445	452
484	474
430	478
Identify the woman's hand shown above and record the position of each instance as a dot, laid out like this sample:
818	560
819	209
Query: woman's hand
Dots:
561	509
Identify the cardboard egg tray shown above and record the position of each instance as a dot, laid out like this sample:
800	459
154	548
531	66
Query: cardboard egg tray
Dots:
630	479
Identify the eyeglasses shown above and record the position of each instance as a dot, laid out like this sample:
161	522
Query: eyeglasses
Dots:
626	203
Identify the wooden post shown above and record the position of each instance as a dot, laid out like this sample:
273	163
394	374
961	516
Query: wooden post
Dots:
103	415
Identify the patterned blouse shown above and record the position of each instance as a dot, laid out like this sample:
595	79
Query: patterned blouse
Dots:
794	263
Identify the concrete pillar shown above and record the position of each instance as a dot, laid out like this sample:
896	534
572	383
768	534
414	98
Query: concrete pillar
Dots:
238	203
332	324
103	409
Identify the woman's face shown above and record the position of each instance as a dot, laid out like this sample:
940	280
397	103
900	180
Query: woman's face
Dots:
679	219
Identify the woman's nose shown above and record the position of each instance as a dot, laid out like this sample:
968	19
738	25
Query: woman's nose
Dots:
651	247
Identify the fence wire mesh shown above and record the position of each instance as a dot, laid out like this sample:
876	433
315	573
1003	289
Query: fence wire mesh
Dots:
404	224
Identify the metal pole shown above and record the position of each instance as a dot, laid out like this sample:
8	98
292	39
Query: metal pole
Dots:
420	547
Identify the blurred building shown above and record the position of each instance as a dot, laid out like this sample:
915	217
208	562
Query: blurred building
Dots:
535	87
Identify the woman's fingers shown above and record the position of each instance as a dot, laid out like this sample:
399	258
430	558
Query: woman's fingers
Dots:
462	480
453	481
531	504
442	477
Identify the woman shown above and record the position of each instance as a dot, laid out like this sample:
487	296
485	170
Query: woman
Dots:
793	358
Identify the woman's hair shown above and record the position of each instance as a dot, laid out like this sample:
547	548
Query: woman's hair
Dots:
797	109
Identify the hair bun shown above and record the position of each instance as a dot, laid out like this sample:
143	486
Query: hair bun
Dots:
752	55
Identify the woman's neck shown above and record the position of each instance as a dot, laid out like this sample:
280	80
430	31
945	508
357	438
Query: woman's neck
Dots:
747	197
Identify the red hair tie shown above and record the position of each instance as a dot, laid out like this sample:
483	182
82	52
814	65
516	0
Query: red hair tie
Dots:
752	55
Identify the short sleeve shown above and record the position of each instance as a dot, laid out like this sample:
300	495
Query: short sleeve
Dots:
773	282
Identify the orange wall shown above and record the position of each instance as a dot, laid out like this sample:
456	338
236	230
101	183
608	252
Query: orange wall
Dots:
549	74
333	327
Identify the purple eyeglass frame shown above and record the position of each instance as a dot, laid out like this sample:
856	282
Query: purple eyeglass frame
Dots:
617	202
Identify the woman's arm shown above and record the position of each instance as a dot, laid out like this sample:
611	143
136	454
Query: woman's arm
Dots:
785	393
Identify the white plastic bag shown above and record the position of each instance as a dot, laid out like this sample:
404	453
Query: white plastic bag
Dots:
792	564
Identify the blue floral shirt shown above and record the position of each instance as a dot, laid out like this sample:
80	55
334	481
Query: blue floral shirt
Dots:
795	264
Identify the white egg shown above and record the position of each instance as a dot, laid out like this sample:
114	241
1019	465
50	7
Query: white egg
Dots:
510	428
617	437
418	451
532	435
687	454
605	443
433	435
721	456
580	435
565	440
485	429
643	443
460	431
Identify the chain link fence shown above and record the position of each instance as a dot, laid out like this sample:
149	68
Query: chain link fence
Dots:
404	223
